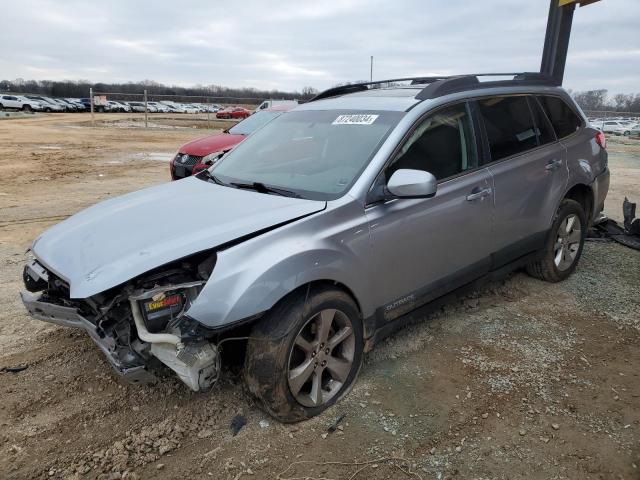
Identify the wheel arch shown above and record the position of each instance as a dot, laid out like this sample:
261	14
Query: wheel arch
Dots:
253	287
315	286
584	195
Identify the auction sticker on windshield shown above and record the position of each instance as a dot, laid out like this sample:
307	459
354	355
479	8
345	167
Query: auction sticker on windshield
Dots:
355	120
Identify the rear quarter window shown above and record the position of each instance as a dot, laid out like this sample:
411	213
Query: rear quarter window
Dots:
564	120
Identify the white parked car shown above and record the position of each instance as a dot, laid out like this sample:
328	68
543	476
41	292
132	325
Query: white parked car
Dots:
136	106
612	126
19	103
632	129
191	109
159	107
272	103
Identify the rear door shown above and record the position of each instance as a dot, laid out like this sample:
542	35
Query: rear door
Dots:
426	247
529	171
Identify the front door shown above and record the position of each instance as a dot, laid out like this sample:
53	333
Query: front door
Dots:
426	247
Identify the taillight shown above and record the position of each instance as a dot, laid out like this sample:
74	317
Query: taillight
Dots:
601	140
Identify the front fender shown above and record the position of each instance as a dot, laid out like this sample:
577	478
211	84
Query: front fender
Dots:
251	277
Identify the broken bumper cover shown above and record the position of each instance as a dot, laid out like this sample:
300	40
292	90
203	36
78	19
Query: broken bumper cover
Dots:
69	317
197	365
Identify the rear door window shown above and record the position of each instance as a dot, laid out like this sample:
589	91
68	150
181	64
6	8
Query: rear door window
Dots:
509	125
543	126
564	120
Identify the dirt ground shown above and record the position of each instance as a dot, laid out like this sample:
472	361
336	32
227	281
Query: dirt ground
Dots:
520	380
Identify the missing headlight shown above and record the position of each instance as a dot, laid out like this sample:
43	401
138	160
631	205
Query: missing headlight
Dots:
159	310
160	307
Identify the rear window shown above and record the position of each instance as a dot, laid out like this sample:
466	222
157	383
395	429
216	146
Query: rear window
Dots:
564	120
509	125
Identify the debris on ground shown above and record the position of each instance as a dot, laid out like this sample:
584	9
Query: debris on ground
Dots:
237	423
627	235
334	426
16	369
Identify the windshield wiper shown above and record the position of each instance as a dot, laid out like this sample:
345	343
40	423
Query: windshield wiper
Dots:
262	188
211	176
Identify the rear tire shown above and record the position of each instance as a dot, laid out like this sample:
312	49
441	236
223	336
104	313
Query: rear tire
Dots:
26	108
304	356
564	244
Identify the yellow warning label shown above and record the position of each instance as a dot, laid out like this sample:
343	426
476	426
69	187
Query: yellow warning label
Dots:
582	3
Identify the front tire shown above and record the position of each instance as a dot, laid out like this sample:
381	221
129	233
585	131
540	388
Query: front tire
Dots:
305	354
564	244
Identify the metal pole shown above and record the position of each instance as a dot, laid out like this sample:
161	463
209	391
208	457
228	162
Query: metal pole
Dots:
146	111
556	40
371	73
93	123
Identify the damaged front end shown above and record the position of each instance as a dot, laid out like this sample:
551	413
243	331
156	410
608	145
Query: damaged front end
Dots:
140	326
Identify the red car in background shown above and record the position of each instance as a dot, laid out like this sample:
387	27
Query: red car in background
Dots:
199	154
233	112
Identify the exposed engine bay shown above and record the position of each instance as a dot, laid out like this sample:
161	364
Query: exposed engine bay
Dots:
141	326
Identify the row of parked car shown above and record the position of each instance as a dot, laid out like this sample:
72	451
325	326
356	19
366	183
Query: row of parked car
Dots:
628	126
39	103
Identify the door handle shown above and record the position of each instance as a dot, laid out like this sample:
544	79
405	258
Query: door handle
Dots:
553	165
476	194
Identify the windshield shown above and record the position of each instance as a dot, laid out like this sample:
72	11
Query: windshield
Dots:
253	122
316	154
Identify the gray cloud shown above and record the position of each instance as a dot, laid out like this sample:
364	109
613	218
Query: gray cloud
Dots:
290	44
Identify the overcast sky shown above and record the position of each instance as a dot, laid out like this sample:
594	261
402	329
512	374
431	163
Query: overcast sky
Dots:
289	44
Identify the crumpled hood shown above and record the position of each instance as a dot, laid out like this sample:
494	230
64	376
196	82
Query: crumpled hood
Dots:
118	239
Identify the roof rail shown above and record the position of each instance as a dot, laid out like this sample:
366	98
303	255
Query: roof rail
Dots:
472	82
438	86
360	87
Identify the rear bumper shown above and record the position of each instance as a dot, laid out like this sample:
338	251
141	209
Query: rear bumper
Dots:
69	317
600	187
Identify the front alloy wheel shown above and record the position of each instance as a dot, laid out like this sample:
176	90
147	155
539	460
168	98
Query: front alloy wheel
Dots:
321	358
305	353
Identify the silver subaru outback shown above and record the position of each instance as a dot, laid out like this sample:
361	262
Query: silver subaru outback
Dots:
327	229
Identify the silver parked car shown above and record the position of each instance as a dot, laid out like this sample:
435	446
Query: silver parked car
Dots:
325	230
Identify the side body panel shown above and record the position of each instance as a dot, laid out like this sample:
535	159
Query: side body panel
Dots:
528	188
249	278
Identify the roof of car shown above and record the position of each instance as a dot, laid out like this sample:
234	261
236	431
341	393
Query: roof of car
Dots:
392	96
392	99
281	107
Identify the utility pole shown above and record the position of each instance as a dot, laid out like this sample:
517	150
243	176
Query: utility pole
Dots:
146	111
93	123
371	72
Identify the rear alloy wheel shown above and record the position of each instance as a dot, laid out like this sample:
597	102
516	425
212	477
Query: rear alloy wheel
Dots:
564	244
568	242
26	108
305	354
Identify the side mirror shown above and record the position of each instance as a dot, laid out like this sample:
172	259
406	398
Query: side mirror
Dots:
406	183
